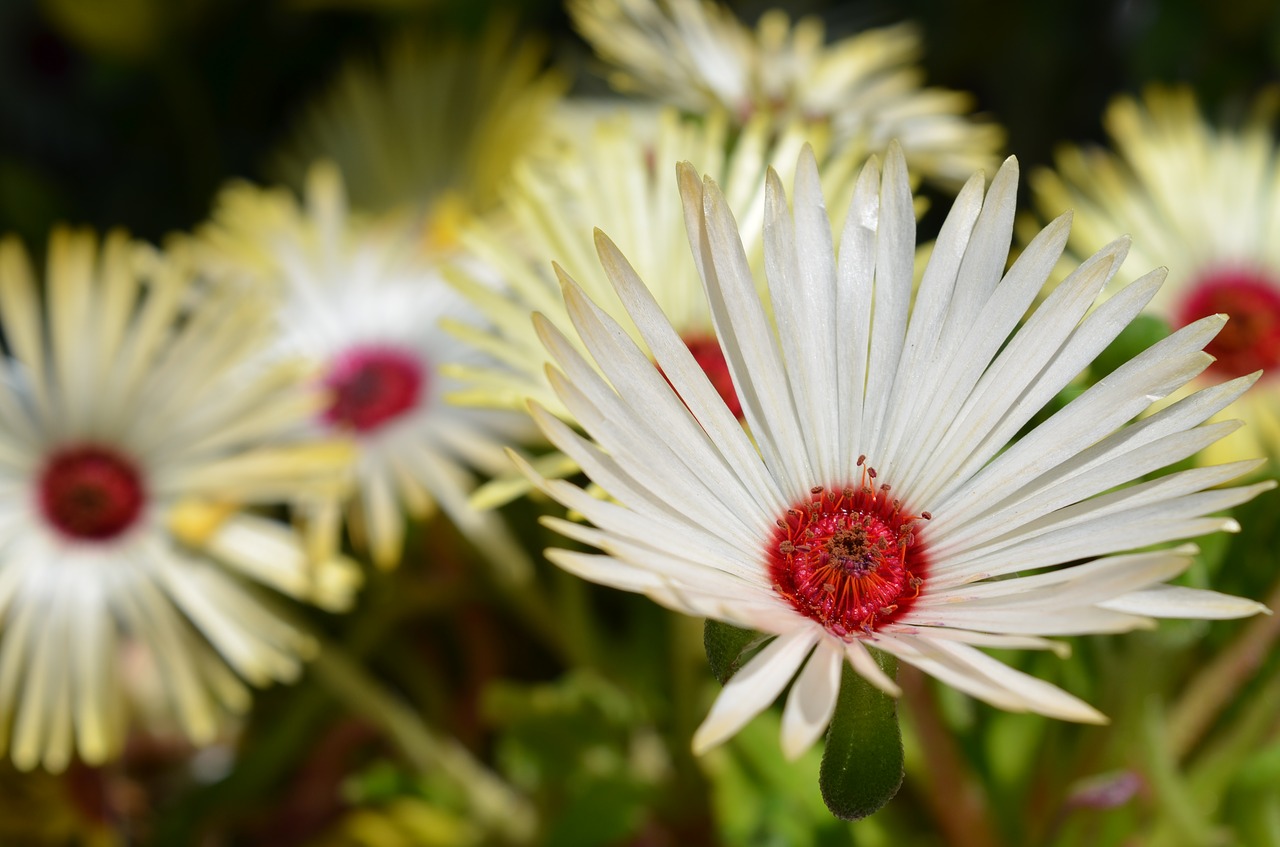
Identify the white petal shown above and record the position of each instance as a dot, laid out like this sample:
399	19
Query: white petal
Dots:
695	389
855	273
748	341
895	269
754	687
1176	601
812	700
869	669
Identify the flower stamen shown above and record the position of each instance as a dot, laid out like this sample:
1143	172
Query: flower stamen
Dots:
848	557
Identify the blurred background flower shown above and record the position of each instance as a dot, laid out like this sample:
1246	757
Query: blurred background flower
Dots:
448	705
1206	200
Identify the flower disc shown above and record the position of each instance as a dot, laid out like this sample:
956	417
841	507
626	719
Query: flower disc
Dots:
90	493
1251	339
847	557
372	386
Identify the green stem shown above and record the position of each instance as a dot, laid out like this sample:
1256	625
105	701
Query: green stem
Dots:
493	802
1250	730
1215	686
1181	821
955	797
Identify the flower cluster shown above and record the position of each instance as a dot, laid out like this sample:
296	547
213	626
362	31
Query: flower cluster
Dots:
714	344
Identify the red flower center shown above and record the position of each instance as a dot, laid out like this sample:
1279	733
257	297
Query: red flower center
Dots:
90	493
707	353
1251	339
847	557
372	386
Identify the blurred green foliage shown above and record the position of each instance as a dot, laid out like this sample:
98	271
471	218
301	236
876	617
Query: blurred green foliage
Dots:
135	119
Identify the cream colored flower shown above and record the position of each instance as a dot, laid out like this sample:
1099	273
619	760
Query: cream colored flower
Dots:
432	126
130	415
696	55
360	301
1206	203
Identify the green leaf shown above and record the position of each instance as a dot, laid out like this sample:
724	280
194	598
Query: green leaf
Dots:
1144	331
729	647
862	765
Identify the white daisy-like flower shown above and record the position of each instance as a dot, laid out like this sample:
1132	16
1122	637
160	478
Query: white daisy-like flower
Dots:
697	55
128	424
877	501
362	303
1207	201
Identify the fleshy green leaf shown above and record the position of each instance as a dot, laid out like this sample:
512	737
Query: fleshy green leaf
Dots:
862	764
729	647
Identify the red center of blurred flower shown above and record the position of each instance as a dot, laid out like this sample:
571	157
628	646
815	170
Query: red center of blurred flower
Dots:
372	386
707	353
1251	339
90	493
847	557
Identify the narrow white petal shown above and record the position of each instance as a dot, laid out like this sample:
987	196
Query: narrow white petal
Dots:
1039	696
812	700
869	669
923	359
1176	601
630	437
855	273
754	687
647	397
944	441
1151	375
895	268
800	268
751	348
678	363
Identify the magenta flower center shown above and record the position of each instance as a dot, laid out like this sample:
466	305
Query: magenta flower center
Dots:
372	386
90	493
848	558
1251	339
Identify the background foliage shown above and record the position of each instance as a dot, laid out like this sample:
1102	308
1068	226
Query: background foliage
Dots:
134	115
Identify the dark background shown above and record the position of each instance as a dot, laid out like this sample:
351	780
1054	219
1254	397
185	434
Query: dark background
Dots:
140	135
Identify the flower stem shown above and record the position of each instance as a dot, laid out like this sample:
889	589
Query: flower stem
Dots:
493	802
1215	686
955	798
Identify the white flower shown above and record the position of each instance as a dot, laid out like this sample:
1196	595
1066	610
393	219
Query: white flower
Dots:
362	302
957	539
608	177
129	429
696	55
1207	202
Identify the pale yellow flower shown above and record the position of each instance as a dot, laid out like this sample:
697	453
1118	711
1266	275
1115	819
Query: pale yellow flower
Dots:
431	125
129	404
1204	201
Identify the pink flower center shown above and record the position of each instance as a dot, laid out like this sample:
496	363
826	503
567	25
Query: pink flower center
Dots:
847	557
707	353
1251	339
372	386
90	493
